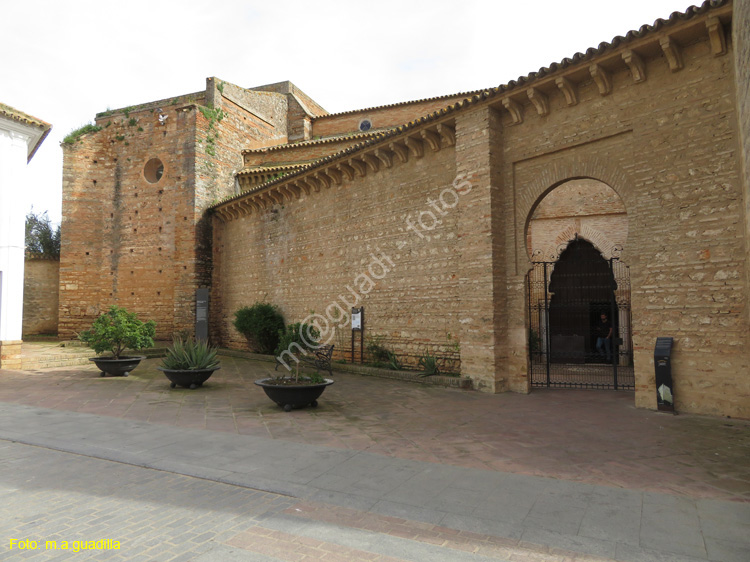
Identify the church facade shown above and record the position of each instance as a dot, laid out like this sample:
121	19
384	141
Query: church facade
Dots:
492	229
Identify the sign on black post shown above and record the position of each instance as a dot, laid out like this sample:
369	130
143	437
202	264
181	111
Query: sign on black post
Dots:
201	314
663	368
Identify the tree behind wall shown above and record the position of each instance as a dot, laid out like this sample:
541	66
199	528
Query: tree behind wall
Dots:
41	237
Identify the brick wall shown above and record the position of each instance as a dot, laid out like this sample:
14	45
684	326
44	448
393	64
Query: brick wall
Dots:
587	208
741	38
668	147
147	246
380	117
301	108
301	152
305	256
40	300
126	240
483	318
666	143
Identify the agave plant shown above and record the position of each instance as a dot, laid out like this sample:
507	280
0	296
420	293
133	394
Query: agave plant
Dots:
190	355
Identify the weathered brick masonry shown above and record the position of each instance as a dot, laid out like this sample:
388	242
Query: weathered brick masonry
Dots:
307	255
384	117
431	221
146	243
668	146
40	295
588	208
652	117
126	239
741	35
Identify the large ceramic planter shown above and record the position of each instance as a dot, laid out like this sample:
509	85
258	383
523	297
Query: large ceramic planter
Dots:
117	367
290	396
189	378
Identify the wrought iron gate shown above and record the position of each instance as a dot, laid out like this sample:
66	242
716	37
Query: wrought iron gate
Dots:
566	299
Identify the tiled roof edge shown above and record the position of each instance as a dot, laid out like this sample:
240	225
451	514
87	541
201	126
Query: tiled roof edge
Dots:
21	117
360	146
311	142
482	95
397	104
262	169
674	17
617	41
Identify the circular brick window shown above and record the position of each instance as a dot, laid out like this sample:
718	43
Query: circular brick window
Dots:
365	125
153	170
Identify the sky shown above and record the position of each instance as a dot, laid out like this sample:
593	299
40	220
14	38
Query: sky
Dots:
64	61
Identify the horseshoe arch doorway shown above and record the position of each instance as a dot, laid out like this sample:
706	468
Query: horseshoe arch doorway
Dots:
575	236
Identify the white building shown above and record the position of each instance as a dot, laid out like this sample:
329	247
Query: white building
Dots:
20	137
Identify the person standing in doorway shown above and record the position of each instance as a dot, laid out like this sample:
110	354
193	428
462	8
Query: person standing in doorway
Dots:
604	337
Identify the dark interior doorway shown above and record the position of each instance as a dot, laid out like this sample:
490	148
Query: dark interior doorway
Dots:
582	287
566	300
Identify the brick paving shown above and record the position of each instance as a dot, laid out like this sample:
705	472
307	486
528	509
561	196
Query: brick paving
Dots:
593	437
286	546
53	496
466	541
51	501
382	470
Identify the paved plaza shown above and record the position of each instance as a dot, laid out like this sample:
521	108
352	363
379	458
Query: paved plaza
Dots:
381	470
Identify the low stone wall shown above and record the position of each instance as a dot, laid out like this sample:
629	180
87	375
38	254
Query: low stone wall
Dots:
40	295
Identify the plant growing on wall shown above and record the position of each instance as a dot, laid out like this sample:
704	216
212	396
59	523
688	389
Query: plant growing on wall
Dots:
76	134
380	356
260	324
429	365
117	330
213	115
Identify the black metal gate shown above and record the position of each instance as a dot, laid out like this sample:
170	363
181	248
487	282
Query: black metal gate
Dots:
567	298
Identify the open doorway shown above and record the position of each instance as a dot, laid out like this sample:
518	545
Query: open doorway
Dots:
579	290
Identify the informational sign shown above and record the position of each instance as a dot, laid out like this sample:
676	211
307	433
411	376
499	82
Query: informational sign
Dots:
201	314
358	326
663	374
356	318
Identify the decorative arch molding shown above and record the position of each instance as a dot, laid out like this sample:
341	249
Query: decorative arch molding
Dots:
598	239
558	171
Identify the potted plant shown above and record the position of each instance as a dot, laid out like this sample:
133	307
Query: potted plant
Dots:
189	362
115	331
298	343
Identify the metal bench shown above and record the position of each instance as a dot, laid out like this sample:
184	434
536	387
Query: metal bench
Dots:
319	357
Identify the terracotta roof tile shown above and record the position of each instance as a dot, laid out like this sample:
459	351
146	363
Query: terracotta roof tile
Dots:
269	169
481	95
21	117
326	140
366	109
618	41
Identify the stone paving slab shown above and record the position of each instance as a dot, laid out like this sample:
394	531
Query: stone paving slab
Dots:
581	471
527	510
588	436
61	500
